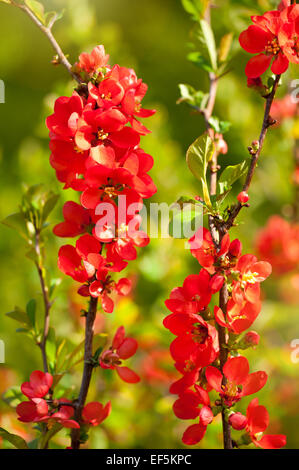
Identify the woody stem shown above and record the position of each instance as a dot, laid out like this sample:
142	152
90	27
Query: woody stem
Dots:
87	370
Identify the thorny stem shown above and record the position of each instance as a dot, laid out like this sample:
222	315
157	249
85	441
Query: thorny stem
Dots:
88	367
48	32
47	303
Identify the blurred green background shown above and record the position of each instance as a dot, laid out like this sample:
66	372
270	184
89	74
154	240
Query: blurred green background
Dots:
150	36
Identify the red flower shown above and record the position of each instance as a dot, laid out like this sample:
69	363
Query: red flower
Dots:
62	416
273	35
204	250
77	220
195	338
71	264
278	243
239	316
63	123
30	411
193	296
91	63
252	272
188	407
239	383
122	348
38	386
256	422
95	413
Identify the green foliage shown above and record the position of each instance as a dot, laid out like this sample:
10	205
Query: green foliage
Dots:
196	8
194	98
220	127
198	156
230	175
204	42
15	440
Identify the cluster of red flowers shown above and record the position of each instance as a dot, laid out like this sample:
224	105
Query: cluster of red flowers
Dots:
273	35
278	243
42	408
95	136
195	349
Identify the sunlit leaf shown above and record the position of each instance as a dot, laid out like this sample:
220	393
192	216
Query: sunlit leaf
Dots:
225	46
37	8
205	43
230	175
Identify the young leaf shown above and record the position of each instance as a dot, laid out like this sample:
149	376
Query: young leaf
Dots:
205	42
196	8
37	8
15	440
17	222
13	396
198	156
230	175
49	205
31	309
19	315
51	348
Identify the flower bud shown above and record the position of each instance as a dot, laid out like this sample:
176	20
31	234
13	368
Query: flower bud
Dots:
252	338
216	283
235	248
237	421
255	145
243	197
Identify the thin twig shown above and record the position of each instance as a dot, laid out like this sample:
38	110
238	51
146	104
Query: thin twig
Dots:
47	303
88	368
266	124
48	32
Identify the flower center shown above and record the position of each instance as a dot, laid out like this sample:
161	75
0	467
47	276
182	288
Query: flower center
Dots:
249	278
272	47
199	334
102	135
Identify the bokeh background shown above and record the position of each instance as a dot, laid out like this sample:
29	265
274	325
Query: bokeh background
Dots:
152	37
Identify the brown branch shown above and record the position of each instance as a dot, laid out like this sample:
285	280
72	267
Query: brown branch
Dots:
266	124
87	371
48	32
47	303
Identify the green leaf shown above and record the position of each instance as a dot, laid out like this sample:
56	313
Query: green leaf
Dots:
195	98
205	42
17	222
31	309
19	315
15	440
198	156
49	205
230	175
13	396
196	8
198	59
221	127
51	348
37	8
